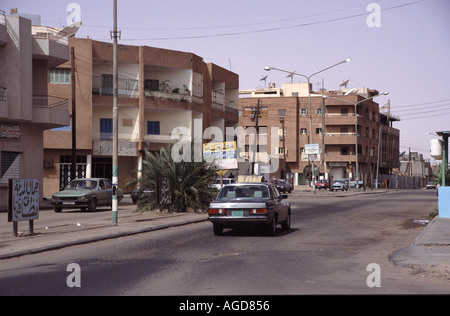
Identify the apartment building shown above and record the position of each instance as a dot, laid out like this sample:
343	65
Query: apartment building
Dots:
159	92
26	108
345	138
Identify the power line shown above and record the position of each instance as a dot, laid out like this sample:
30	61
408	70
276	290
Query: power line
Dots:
269	29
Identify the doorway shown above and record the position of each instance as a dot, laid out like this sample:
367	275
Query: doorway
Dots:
102	168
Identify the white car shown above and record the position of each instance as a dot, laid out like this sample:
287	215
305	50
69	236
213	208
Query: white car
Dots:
340	184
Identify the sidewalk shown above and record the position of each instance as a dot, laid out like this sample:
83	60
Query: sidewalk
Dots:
431	249
56	237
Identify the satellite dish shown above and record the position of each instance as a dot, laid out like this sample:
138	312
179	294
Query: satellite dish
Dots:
69	31
345	83
263	78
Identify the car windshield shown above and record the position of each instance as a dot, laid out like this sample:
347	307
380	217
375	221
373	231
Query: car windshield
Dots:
82	185
244	192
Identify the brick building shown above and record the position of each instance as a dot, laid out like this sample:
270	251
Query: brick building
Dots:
159	91
330	123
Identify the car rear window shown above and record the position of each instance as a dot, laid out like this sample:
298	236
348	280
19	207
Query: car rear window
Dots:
244	192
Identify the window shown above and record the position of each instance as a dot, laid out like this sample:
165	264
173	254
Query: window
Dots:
10	167
107	84
151	84
303	131
318	130
344	111
345	151
303	112
197	85
153	128
106	129
318	111
59	75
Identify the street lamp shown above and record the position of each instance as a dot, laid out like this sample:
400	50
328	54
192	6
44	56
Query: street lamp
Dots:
308	78
356	127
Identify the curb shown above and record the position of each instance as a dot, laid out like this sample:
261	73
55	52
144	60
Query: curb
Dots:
416	241
79	240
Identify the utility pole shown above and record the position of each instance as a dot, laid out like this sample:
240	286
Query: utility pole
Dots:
73	169
115	158
255	146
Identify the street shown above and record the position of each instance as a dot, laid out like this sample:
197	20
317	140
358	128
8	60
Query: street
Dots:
332	247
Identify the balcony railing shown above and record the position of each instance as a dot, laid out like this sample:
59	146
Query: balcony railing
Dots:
52	37
50	102
126	87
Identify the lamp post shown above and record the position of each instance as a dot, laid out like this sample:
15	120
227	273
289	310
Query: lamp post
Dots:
308	78
356	128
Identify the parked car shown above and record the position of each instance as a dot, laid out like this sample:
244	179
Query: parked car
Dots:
216	184
322	184
352	184
431	185
249	204
86	193
340	184
283	185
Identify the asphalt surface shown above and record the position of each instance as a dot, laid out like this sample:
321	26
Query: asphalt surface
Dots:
429	249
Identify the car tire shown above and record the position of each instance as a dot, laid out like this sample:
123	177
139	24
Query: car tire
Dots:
57	209
218	229
286	225
92	205
272	227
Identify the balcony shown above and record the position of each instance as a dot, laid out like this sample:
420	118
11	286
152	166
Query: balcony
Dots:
340	138
339	119
103	86
50	111
50	47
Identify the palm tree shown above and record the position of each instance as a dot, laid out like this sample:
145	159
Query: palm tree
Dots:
438	175
190	182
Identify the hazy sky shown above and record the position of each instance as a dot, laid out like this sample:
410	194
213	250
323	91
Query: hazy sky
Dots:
405	52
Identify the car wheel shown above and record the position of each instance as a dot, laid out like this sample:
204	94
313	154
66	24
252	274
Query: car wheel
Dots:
218	229
92	205
272	227
286	225
57	209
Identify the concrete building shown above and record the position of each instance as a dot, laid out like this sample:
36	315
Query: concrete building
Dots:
159	92
26	107
333	122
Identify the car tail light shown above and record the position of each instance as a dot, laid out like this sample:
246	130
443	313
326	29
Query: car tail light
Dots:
258	211
220	211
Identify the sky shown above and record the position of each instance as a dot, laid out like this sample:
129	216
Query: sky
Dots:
399	46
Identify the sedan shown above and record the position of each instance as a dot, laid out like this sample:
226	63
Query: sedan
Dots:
247	205
283	185
87	193
340	184
322	184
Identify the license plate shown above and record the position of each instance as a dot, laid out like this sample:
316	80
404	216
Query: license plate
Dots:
69	203
237	213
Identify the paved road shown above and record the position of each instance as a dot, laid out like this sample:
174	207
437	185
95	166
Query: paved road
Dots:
327	251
